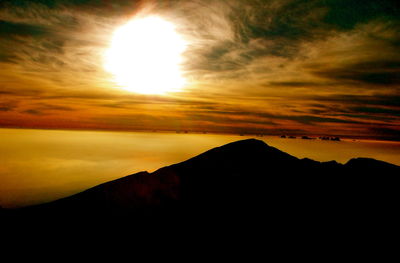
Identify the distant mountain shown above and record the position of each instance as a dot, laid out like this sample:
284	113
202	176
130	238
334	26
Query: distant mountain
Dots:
242	180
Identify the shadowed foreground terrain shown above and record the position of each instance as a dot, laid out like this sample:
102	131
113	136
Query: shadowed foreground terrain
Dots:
239	183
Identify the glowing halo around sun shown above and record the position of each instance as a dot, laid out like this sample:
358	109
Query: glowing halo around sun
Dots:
145	56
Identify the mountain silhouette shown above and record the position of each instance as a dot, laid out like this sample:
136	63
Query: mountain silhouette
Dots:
245	192
241	180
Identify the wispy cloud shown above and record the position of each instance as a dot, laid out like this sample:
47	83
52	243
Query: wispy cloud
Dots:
261	65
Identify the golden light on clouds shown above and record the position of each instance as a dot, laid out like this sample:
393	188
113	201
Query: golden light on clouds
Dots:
145	56
242	66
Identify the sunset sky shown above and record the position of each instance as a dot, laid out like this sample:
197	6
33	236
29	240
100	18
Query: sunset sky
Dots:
323	67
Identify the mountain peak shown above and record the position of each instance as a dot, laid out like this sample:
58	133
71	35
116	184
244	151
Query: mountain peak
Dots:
247	144
239	175
248	154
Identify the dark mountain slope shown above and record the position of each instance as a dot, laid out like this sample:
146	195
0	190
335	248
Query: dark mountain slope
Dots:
242	179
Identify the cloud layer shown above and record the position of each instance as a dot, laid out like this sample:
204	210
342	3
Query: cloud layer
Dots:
327	67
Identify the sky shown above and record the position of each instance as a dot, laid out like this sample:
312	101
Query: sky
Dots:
296	67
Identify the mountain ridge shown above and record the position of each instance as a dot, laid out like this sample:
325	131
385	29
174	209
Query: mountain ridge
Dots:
242	178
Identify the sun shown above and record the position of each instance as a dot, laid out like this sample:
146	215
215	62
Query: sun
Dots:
145	56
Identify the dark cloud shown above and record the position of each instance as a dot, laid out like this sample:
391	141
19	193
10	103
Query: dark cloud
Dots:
33	112
370	110
8	105
283	19
52	107
63	3
345	14
6	108
386	133
363	100
378	109
377	72
6	57
229	119
268	117
315	119
10	29
295	84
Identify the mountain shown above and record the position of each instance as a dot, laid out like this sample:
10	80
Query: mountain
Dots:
240	180
245	197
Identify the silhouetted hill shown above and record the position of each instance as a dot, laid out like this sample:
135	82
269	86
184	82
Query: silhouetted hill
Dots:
243	181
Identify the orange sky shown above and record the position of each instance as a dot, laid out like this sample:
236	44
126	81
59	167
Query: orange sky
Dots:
274	67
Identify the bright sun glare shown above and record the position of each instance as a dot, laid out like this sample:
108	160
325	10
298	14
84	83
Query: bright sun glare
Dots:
145	56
